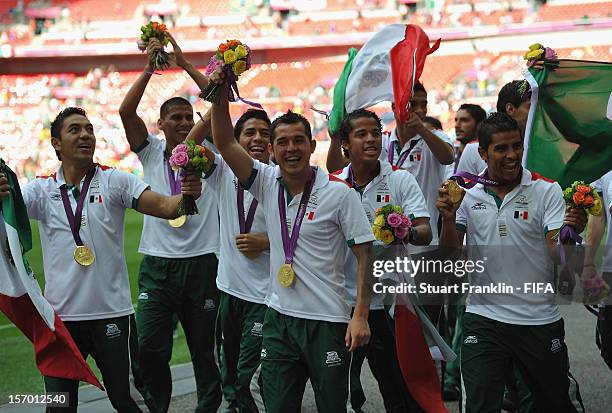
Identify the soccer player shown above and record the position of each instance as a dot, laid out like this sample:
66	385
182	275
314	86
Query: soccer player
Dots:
515	224
467	119
81	210
179	267
312	218
379	184
596	229
244	264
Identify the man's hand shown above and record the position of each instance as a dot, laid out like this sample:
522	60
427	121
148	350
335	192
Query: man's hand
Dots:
252	242
153	47
178	55
191	185
217	77
447	209
415	123
576	218
5	189
357	333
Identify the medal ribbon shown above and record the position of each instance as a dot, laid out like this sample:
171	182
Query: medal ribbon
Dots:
74	219
245	225
460	178
289	244
403	156
175	184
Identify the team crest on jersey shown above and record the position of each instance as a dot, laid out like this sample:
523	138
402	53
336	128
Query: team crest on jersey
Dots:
313	201
382	187
332	359
478	206
94	185
521	202
257	329
55	196
112	331
209	304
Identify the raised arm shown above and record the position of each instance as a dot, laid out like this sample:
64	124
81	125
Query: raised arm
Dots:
450	236
441	150
199	78
223	134
335	159
161	206
201	130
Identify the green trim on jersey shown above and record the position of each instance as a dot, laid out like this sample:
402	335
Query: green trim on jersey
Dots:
247	185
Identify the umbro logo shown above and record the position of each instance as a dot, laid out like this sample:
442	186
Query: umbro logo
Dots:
470	340
143	296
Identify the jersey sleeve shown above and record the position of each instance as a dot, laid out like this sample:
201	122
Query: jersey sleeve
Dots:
125	188
353	220
553	208
261	179
33	197
412	199
461	217
598	185
151	145
215	176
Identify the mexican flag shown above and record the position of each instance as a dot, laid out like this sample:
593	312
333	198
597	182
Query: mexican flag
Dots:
568	136
21	299
383	70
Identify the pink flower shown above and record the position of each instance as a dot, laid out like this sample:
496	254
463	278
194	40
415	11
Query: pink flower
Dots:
394	219
212	65
400	232
179	159
406	222
549	54
181	147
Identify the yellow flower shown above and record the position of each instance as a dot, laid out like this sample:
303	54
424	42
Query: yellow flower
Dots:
534	54
239	67
376	230
229	57
380	220
535	46
596	208
386	236
241	51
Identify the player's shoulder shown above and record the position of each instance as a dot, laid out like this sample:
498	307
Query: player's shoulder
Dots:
336	182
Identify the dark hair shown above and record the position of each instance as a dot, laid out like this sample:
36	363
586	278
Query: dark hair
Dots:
288	119
171	103
496	122
433	121
58	122
56	125
515	92
475	111
249	114
346	127
418	87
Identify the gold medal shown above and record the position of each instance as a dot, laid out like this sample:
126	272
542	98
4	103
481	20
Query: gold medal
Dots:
286	275
455	192
251	254
84	256
178	222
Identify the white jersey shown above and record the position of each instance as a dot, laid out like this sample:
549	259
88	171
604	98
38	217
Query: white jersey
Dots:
238	275
391	186
512	237
471	161
333	221
101	290
427	170
199	235
604	185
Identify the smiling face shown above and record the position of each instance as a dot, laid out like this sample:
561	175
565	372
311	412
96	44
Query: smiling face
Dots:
176	123
503	156
465	126
78	142
292	148
364	142
255	139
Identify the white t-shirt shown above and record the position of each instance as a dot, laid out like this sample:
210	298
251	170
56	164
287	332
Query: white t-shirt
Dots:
238	275
101	290
333	220
391	186
470	160
199	235
427	170
516	252
604	185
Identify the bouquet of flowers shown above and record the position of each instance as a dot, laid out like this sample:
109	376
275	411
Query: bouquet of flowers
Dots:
391	226
189	158
582	195
538	52
154	30
234	57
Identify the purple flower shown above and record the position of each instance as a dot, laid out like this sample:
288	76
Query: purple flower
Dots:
400	232
394	219
549	54
406	222
179	159
212	65
181	147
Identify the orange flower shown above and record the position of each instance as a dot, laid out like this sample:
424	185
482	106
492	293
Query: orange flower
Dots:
583	188
233	43
154	25
222	47
578	198
162	28
588	201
